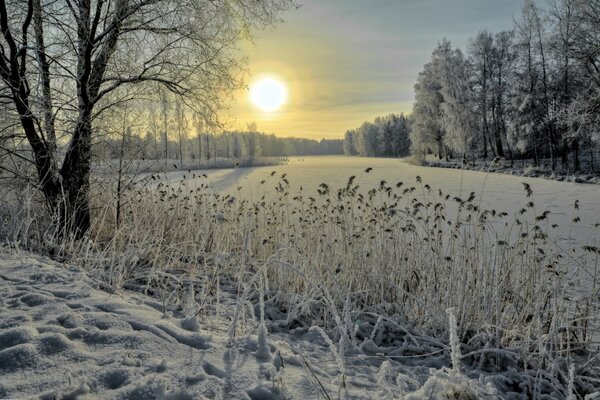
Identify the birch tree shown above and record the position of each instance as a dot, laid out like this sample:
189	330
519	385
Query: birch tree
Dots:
427	128
502	74
481	58
458	109
84	52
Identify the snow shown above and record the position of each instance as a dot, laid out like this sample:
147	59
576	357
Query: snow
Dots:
500	192
61	337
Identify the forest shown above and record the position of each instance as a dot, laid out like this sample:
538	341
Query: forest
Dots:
207	147
386	136
531	92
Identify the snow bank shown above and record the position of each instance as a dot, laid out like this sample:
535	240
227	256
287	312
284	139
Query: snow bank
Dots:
63	338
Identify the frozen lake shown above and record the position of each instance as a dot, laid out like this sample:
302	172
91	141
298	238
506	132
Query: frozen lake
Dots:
497	191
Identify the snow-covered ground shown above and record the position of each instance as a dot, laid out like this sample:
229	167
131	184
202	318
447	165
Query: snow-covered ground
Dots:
61	337
524	168
496	191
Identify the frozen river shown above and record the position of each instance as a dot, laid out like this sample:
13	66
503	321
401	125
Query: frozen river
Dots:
497	191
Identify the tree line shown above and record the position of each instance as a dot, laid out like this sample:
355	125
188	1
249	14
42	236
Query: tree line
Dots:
208	146
529	92
386	136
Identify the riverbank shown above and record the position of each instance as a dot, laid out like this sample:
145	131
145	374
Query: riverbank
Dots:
519	169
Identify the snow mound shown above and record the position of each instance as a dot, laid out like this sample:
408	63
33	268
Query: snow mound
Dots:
61	337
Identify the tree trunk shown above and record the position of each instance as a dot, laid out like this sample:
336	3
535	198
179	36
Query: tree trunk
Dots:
551	137
510	154
497	117
484	141
75	207
499	148
199	146
491	145
564	154
215	148
576	163
44	67
44	161
207	148
180	151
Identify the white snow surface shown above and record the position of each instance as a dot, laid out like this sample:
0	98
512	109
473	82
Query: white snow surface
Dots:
61	337
500	192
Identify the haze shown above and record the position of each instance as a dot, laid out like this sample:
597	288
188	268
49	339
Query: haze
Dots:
349	61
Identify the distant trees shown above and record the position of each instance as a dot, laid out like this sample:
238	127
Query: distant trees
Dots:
166	130
206	146
531	92
385	136
63	62
251	148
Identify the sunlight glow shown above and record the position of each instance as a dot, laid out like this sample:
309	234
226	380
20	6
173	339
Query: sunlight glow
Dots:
268	94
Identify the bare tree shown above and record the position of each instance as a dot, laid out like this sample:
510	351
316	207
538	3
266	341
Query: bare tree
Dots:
197	121
164	103
503	61
587	49
153	128
481	56
92	49
251	141
566	22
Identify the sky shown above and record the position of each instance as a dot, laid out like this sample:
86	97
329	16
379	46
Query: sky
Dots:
347	61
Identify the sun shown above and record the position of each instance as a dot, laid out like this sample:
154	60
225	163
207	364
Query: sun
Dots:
268	94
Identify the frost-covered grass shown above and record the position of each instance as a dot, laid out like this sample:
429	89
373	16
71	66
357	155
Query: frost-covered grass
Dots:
367	267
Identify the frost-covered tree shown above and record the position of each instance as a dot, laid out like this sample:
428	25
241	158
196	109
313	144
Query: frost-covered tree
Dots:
459	119
367	136
565	29
250	145
534	16
63	62
444	114
181	123
393	138
400	126
386	136
481	50
349	146
503	59
152	133
531	92
583	19
587	40
427	126
528	116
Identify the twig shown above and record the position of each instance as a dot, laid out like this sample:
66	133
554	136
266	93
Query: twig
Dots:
315	376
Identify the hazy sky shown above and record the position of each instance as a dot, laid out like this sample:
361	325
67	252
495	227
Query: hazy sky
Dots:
347	61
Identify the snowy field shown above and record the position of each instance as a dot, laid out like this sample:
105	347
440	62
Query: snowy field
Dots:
268	283
63	338
496	191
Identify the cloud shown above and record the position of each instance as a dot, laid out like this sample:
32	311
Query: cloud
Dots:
347	61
